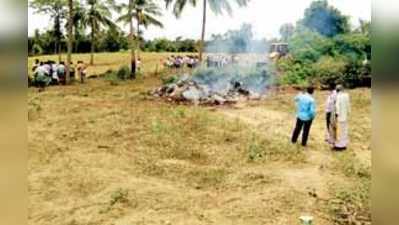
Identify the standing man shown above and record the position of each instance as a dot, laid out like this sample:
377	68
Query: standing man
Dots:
81	69
61	72
306	111
330	115
342	107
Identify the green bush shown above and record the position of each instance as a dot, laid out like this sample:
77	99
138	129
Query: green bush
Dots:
293	72
307	46
169	80
123	72
329	70
37	49
355	46
314	58
112	78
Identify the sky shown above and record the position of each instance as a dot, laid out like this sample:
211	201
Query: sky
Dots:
266	17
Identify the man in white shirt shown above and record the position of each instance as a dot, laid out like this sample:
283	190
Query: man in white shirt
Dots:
54	74
342	110
330	115
41	77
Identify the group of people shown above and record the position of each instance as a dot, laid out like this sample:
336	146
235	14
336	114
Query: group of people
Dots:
337	111
180	61
49	72
212	60
219	61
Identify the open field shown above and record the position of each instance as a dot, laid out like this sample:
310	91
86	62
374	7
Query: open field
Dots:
112	154
105	61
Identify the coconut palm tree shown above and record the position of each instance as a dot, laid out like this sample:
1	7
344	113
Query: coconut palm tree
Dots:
79	21
145	13
217	6
98	16
57	9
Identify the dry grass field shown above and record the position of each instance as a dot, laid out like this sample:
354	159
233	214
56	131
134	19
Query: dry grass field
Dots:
102	154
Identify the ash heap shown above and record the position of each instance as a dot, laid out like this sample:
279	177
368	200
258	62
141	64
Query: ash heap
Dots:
218	85
236	69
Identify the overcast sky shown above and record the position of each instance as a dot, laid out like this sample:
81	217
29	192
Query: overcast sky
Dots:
266	17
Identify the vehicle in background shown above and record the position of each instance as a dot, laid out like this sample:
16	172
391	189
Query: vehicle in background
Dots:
278	50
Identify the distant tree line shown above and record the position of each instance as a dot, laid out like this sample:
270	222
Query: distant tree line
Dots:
111	40
95	17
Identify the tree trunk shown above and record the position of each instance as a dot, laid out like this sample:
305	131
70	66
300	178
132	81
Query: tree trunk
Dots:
132	50
57	33
92	43
76	45
69	56
75	39
138	36
55	47
203	32
93	31
59	51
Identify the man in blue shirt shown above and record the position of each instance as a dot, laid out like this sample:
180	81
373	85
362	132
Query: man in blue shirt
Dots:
306	111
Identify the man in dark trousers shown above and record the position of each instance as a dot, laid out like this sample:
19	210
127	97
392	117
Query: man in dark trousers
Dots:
306	111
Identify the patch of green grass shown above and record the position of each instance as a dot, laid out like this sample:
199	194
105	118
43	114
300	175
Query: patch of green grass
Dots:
255	150
262	149
351	204
169	80
119	195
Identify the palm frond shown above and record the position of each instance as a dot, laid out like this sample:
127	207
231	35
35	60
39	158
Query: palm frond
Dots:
179	6
149	20
242	3
219	6
124	19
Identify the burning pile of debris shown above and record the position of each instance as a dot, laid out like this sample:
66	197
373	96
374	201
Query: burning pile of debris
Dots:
210	86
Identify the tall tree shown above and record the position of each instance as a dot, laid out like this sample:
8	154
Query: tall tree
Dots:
217	6
79	23
128	18
286	31
99	15
145	13
113	40
70	37
325	19
364	27
37	44
57	10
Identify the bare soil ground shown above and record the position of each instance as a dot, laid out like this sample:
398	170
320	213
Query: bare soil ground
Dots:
103	154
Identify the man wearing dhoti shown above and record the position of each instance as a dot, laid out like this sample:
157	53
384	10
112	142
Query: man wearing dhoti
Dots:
330	115
342	110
